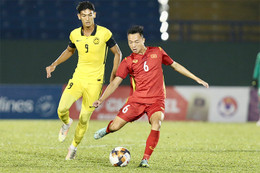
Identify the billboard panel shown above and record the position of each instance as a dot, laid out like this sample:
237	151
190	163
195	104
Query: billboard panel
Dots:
183	103
29	101
175	105
216	104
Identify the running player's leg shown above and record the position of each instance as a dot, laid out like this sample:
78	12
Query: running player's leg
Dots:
63	112
156	120
69	96
63	109
112	126
90	94
156	115
153	137
116	124
128	113
81	128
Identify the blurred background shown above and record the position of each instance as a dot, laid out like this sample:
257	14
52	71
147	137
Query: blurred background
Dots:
217	40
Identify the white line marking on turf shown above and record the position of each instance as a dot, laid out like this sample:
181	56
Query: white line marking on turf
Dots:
97	146
101	146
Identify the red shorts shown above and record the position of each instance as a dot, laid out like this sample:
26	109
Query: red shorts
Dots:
132	111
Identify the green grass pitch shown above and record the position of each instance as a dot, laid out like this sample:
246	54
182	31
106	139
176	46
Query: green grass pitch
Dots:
32	146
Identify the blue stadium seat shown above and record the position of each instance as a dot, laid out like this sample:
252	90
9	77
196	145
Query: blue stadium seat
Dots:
49	19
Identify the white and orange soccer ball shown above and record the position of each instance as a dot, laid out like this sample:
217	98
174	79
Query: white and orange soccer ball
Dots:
119	156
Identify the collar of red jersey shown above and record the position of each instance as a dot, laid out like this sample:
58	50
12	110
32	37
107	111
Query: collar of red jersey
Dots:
137	54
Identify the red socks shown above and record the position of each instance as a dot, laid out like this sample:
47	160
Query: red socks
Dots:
151	143
108	131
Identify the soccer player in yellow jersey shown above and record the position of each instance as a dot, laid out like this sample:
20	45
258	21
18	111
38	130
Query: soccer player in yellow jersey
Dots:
92	42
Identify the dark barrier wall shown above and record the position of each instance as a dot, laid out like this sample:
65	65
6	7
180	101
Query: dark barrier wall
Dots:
227	64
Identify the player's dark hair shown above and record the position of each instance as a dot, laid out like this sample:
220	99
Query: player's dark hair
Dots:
136	29
85	5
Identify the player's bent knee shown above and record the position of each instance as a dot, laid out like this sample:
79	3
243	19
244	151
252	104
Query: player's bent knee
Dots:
84	117
62	110
156	125
84	120
156	121
157	117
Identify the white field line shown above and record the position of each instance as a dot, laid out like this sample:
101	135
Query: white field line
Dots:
97	146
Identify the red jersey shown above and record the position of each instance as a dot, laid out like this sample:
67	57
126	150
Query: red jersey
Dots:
146	74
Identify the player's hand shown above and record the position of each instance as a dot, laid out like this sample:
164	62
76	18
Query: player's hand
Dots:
205	84
97	103
255	83
49	70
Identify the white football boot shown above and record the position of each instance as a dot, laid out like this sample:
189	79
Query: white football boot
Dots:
71	153
64	131
100	133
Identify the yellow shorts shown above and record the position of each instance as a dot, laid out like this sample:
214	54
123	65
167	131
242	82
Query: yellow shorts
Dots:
89	91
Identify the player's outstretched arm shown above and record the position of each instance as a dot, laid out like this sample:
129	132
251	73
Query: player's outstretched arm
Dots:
109	90
117	59
179	68
66	54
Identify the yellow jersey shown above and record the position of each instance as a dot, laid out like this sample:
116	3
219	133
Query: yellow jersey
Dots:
92	52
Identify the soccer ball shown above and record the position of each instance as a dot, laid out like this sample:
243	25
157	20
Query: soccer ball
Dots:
119	156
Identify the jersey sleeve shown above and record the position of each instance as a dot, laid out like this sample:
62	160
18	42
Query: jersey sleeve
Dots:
71	41
110	41
122	70
166	60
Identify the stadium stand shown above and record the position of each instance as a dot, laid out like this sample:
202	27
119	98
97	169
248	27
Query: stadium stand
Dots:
214	20
189	20
48	19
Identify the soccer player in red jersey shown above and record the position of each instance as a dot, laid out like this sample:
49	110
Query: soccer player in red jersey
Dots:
144	66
